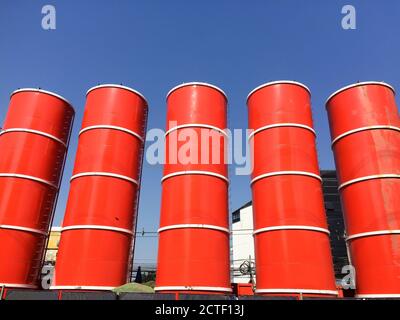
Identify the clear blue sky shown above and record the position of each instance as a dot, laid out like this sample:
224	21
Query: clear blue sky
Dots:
155	45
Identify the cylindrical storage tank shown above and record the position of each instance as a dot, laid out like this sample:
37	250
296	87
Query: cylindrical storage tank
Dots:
33	146
292	247
100	220
365	131
193	253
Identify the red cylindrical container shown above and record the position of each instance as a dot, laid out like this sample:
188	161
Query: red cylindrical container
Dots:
193	253
292	246
365	128
33	146
100	220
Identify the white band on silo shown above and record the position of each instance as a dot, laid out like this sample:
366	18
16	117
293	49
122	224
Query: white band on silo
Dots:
104	174
280	125
78	287
378	295
194	226
195	172
299	291
25	229
291	227
282	173
110	127
377	127
24	176
193	288
41	133
371	234
372	177
18	285
96	227
197	125
203	84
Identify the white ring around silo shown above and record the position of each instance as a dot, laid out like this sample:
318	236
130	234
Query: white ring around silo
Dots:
104	174
282	173
17	285
358	85
42	91
204	84
112	128
195	172
193	226
24	229
192	288
371	234
267	84
24	176
298	291
196	125
96	227
291	227
377	127
279	125
372	177
119	87
41	133
77	287
378	295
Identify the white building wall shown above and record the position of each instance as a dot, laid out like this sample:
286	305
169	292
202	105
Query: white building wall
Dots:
242	244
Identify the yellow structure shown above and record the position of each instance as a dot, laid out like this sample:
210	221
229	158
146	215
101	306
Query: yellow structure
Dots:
52	246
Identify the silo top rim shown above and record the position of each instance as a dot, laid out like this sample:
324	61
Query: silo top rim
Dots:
42	91
267	84
365	83
117	86
204	84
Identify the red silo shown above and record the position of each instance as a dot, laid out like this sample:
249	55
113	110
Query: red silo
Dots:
292	247
33	146
365	131
193	254
99	225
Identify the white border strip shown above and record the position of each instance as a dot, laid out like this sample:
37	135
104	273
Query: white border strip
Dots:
119	87
112	128
24	176
298	291
377	127
204	84
96	227
192	288
41	91
378	295
19	228
17	285
81	288
41	133
195	172
194	226
283	173
372	233
103	174
291	227
366	178
278	82
357	85
196	125
278	125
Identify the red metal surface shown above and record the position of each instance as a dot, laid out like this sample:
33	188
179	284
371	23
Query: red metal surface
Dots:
33	146
193	253
293	254
100	218
244	289
371	205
